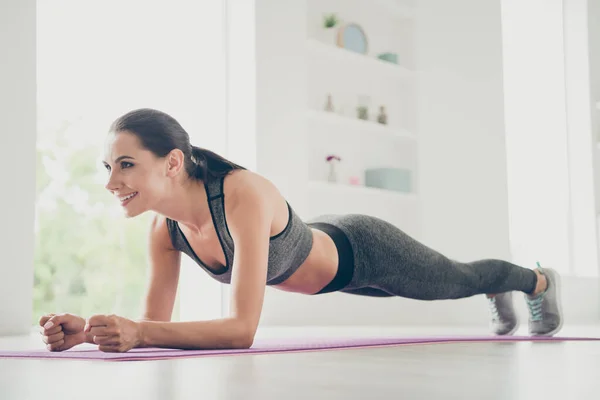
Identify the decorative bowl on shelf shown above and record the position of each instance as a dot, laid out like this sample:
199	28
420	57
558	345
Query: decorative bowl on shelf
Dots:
389	57
396	179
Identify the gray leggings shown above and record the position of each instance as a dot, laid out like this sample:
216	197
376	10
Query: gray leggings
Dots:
377	259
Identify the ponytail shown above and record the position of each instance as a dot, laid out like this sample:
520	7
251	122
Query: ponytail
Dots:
209	165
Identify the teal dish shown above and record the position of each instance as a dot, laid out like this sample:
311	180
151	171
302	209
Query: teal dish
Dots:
389	57
396	179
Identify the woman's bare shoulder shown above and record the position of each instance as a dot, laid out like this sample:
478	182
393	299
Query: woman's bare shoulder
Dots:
243	180
159	233
242	185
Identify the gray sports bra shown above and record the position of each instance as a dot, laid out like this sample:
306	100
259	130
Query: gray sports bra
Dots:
287	250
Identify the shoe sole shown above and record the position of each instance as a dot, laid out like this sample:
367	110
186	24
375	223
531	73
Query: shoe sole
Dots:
512	331
509	333
558	283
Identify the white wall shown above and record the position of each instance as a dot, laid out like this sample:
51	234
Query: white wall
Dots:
549	135
267	92
462	158
536	119
17	164
594	68
267	99
581	144
463	168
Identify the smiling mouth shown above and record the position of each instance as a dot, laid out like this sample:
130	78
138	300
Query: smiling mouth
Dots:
126	199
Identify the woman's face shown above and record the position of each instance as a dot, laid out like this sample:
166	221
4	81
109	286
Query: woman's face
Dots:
136	177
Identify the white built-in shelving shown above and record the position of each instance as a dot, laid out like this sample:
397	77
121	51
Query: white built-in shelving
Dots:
353	79
382	132
369	66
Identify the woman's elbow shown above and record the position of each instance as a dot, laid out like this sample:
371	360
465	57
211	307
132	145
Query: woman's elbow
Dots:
243	337
243	341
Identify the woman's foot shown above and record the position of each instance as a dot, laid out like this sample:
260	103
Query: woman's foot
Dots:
504	319
545	313
542	282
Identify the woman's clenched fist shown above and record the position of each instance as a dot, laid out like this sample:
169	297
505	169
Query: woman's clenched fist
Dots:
113	333
62	331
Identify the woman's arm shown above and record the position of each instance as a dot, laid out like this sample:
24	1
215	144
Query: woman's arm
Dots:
164	268
249	217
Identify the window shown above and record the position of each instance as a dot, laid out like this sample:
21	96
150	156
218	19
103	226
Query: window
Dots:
97	61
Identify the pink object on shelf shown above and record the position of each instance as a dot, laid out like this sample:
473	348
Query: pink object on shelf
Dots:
354	180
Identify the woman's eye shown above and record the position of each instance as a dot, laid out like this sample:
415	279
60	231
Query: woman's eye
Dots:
124	165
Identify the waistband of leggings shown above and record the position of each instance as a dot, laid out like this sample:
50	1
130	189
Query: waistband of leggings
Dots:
345	270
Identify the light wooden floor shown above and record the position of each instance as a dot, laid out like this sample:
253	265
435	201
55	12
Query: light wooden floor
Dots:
568	370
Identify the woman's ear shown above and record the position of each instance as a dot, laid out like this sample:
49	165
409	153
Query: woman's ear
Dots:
175	162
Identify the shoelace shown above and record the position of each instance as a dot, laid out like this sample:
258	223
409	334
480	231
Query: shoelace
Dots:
494	308
535	307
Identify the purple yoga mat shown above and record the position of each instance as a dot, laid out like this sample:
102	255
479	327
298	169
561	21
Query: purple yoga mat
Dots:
264	346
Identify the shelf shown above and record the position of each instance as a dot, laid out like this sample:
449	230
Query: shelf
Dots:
344	190
370	66
360	125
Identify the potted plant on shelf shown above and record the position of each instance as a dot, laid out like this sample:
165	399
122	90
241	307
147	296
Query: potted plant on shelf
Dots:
332	160
329	30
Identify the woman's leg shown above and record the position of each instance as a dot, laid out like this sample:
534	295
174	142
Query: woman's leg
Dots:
388	261
448	279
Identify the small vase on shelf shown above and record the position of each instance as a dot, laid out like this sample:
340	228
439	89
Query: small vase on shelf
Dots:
382	117
332	160
332	176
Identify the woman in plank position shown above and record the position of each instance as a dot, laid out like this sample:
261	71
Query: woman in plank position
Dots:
237	226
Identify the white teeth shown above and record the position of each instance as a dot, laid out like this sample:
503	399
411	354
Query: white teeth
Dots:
127	197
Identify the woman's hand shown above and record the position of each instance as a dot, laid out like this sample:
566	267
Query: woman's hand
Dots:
114	334
62	331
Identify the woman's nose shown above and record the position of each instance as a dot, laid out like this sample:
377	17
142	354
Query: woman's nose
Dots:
111	184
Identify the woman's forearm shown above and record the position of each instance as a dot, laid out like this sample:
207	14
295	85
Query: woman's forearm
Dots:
224	333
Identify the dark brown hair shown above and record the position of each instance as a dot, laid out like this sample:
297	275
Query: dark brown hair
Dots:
160	133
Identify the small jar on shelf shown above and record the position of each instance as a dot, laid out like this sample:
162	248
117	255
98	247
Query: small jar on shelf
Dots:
362	110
